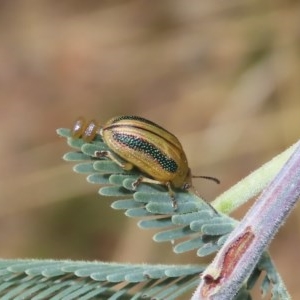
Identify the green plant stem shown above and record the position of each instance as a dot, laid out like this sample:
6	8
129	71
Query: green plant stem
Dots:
251	185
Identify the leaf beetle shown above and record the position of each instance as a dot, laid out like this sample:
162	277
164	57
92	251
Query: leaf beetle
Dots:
145	145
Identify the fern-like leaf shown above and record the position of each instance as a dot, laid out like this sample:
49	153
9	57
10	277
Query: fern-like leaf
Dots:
194	218
50	279
193	226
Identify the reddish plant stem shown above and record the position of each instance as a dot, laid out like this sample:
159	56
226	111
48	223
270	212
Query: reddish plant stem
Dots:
238	257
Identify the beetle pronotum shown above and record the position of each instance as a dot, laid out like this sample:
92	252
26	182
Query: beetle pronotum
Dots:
145	145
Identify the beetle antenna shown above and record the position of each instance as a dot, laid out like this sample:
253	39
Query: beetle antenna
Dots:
216	180
197	193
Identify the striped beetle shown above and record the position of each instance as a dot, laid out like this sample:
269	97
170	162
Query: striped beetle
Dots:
145	145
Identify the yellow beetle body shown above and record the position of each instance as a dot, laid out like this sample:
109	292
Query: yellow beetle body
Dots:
149	147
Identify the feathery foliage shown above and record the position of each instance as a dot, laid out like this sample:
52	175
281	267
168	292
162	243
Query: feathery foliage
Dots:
193	226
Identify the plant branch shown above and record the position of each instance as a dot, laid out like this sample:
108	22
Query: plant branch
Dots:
241	252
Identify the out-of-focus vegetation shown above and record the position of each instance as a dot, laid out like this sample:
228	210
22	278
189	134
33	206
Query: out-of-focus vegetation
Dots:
223	76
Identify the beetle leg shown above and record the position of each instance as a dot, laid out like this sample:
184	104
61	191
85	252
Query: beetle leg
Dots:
147	180
124	165
137	182
172	195
153	181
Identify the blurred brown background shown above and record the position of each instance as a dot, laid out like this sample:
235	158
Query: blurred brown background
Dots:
222	75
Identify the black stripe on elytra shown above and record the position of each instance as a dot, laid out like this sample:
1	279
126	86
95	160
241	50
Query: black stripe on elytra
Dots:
141	145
